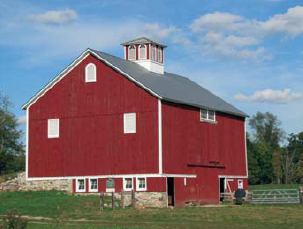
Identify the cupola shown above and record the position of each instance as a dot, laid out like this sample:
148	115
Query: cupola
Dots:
149	54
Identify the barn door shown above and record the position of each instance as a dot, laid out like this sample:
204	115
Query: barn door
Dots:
170	191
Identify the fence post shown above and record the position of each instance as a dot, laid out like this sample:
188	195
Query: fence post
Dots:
101	201
133	199
122	199
113	201
301	194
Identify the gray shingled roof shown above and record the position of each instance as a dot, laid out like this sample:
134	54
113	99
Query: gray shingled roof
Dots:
142	40
172	87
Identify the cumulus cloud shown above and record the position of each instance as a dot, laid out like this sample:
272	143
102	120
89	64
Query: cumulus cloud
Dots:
271	96
54	16
156	31
21	119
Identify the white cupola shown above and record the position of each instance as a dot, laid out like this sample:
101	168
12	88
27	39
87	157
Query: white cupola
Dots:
147	53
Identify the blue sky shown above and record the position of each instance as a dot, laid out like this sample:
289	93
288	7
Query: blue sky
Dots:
248	52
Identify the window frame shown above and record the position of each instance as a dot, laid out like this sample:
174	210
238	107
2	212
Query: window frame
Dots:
145	52
90	182
57	135
125	130
207	116
77	187
242	184
154	52
86	73
137	184
124	184
129	47
160	54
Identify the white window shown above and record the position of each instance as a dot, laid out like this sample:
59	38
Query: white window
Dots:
93	185
80	185
207	115
160	54
90	73
53	128
132	52
129	120
240	184
141	184
128	183
154	54
142	52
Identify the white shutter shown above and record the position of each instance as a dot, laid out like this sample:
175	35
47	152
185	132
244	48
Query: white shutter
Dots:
129	123
90	73
53	128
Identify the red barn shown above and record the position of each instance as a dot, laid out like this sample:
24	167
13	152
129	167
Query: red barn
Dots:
111	124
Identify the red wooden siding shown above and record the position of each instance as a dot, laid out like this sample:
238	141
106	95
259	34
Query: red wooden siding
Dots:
187	140
91	139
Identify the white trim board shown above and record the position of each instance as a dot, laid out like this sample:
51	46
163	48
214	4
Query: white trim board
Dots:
160	135
72	66
27	141
246	164
231	176
112	176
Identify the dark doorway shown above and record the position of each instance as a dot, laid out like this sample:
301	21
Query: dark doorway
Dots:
170	191
222	187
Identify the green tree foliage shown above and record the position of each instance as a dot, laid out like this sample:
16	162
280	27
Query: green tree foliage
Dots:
11	147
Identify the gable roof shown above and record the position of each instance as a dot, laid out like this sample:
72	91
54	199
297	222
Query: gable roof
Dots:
142	40
167	86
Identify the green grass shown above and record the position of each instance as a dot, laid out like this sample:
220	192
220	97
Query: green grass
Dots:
71	211
274	186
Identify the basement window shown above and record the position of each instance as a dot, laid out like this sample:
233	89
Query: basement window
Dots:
90	73
240	184
141	184
53	128
93	185
128	184
129	120
207	115
132	52
80	185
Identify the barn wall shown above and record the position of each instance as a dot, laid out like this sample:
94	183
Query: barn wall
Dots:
91	139
187	140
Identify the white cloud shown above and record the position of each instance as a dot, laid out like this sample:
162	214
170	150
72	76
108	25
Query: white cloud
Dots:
54	17
156	31
21	119
271	96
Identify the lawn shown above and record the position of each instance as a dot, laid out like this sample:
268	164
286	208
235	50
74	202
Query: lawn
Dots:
70	211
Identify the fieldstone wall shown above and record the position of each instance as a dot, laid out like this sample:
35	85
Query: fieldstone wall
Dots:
144	199
19	183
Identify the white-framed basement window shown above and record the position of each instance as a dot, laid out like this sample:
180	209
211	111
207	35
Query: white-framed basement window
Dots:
207	115
128	183
240	184
93	185
80	185
142	52
132	52
141	184
53	128
129	123
90	73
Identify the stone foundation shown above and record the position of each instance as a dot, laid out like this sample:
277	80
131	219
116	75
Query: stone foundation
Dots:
19	183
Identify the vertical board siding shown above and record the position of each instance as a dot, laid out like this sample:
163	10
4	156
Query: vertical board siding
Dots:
92	141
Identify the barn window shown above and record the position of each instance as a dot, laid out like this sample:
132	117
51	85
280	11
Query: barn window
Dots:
142	52
154	54
207	115
53	128
80	185
93	185
90	73
141	184
128	184
132	52
240	184
129	120
160	54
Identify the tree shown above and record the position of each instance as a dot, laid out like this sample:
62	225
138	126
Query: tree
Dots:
11	147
